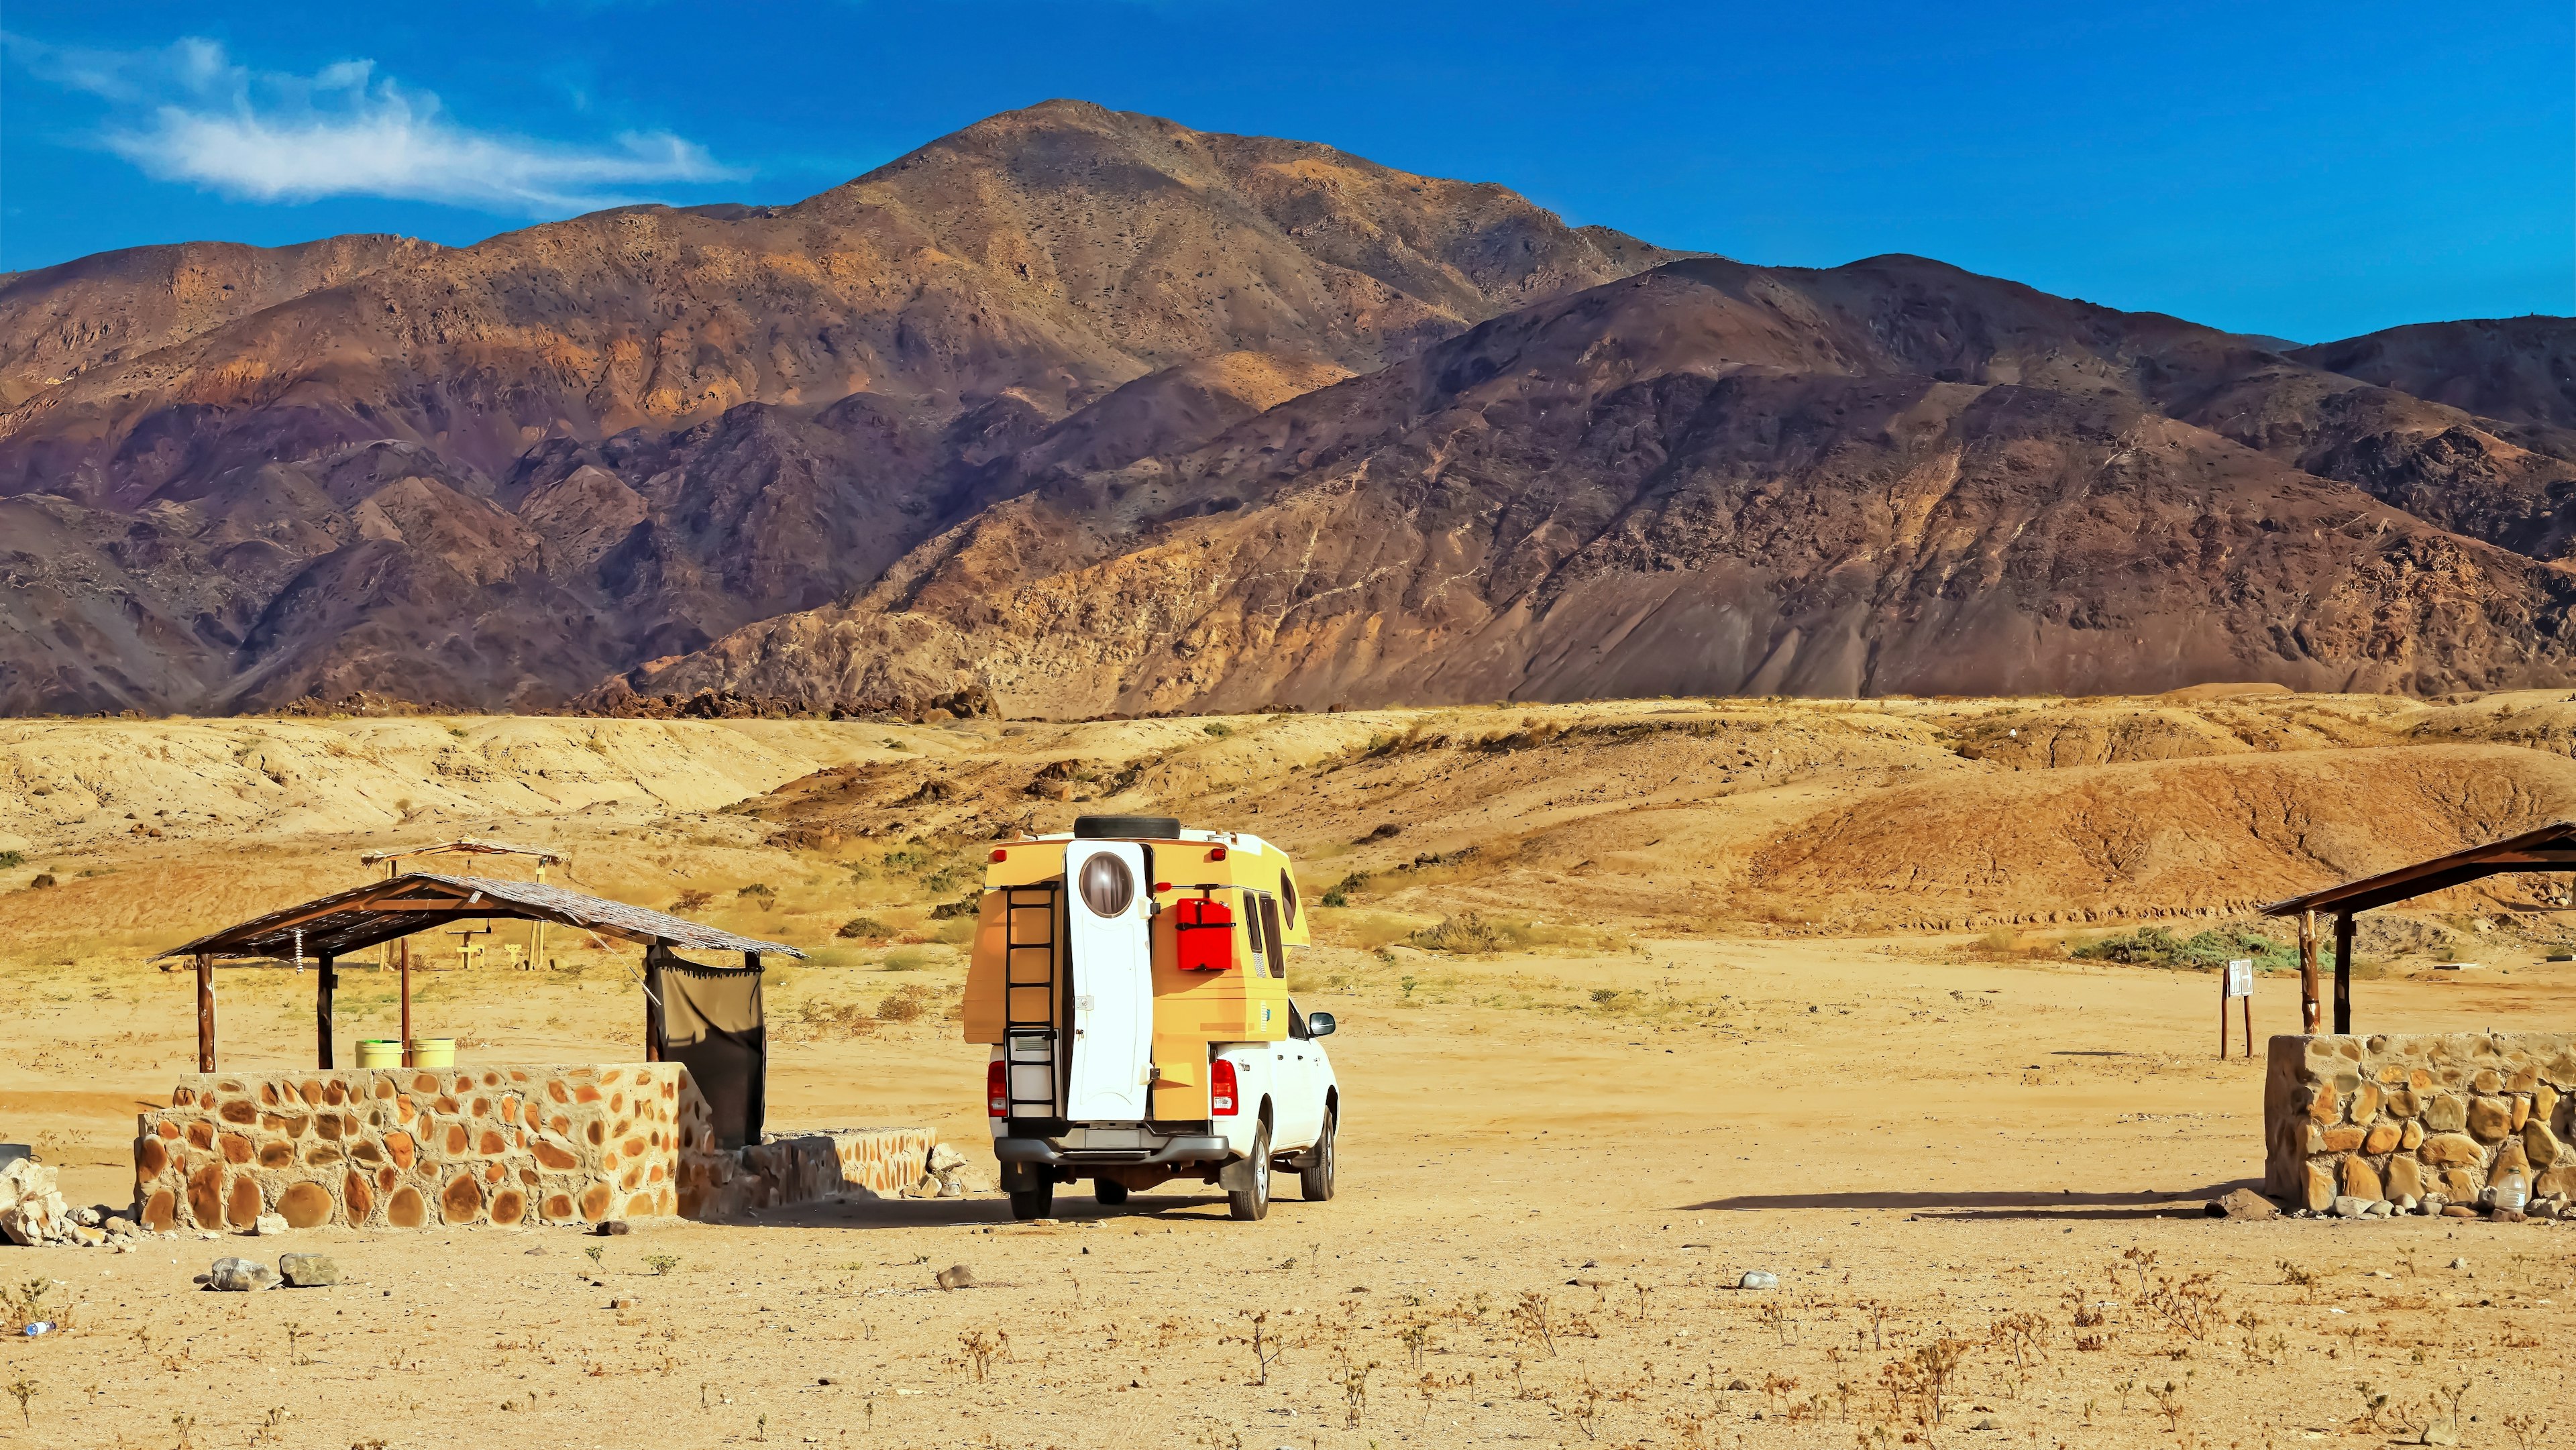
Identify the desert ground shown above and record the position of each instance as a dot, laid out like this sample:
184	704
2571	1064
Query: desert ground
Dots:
1635	998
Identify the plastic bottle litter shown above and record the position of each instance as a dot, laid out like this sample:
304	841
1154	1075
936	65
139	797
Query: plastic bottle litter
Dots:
41	1326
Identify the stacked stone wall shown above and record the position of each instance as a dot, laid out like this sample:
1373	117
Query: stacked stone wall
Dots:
800	1168
2403	1118
413	1148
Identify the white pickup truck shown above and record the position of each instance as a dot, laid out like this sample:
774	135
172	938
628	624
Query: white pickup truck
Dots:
1131	981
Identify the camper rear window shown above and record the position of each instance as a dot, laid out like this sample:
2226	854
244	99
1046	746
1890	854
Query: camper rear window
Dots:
1252	928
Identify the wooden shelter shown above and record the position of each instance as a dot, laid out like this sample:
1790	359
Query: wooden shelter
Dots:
391	910
2550	848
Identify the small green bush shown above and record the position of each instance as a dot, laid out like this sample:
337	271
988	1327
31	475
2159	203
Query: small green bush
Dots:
1218	729
2156	946
12	860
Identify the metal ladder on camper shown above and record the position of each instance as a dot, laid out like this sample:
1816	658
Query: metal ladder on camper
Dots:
1031	935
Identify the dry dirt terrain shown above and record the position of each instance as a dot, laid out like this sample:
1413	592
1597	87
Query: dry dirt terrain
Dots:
1636	997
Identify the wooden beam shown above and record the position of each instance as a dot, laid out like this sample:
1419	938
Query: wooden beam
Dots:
2309	1008
405	945
324	980
2343	972
205	1012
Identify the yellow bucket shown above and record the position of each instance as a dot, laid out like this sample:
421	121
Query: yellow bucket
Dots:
433	1052
379	1052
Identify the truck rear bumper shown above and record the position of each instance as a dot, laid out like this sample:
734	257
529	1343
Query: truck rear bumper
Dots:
1173	1152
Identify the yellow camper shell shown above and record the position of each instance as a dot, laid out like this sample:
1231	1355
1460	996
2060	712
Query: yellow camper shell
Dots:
1246	1000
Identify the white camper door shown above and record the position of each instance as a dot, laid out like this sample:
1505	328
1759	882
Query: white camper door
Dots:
1113	981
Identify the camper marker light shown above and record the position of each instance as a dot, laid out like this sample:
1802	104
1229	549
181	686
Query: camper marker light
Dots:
997	1095
1221	1087
1000	855
1216	853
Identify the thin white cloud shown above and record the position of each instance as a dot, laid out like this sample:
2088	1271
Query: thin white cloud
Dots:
190	114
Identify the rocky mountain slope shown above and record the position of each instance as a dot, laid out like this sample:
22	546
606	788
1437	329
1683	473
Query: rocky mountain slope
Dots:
1888	477
496	473
2519	369
1087	412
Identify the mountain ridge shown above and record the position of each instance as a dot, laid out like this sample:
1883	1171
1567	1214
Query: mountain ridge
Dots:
939	430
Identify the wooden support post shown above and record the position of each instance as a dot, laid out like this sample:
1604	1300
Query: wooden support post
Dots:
653	1004
2249	1027
323	981
2343	972
403	948
205	1012
2309	1016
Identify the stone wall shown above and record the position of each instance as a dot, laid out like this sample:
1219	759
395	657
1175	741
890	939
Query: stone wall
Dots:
420	1148
803	1168
2409	1118
413	1148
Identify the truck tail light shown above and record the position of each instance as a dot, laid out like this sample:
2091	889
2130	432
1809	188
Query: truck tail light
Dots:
1216	853
997	1088
1221	1094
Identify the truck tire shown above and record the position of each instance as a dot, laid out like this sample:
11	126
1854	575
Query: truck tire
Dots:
1315	1180
1253	1204
1038	1202
1109	1192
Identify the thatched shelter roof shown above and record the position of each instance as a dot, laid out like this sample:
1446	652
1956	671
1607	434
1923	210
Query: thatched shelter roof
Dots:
380	911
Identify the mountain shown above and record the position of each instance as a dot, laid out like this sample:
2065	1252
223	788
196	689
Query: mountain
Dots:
401	477
2518	369
59	322
1889	477
1087	412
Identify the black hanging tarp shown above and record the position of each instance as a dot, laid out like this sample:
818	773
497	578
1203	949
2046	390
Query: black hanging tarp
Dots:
711	1024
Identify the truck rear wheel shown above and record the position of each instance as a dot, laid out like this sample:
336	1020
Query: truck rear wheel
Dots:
1315	1180
1038	1202
1109	1191
1253	1204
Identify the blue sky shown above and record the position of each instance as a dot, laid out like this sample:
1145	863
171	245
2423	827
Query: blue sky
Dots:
2305	170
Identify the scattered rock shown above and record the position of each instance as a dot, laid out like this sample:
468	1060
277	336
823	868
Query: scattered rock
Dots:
309	1271
2347	1206
612	1228
957	1276
2242	1203
240	1276
1758	1279
1985	1423
2459	1263
944	1160
2507	1215
269	1225
1737	1384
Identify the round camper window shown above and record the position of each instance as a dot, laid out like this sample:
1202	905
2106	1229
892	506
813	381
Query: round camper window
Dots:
1288	899
1107	885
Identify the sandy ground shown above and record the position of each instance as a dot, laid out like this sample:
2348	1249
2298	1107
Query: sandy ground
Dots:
1937	1148
1556	1163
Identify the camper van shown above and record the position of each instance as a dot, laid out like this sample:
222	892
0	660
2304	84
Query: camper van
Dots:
1132	981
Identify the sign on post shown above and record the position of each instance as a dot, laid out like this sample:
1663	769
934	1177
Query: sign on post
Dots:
2237	981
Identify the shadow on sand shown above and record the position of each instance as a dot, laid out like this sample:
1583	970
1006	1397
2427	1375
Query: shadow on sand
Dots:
989	1212
2029	1203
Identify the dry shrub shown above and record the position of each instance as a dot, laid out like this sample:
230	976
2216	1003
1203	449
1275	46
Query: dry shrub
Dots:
1468	932
909	1004
692	901
864	928
819	1018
